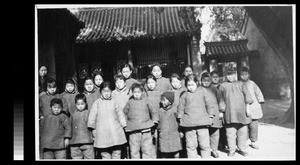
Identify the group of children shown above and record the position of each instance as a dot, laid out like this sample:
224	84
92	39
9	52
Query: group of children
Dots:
160	118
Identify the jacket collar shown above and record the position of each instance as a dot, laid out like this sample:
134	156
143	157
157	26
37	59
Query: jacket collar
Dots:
122	90
104	98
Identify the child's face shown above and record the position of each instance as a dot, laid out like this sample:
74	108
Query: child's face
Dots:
191	86
56	109
188	71
106	93
80	105
215	78
137	93
43	71
89	85
126	72
51	90
230	77
245	76
206	82
120	84
70	87
165	102
176	84
98	80
156	71
151	84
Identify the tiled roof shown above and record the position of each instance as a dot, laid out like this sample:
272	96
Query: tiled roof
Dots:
222	48
107	24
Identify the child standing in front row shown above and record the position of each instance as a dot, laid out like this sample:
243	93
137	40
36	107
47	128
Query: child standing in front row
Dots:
169	137
109	122
81	143
56	132
237	116
216	98
139	123
255	107
195	113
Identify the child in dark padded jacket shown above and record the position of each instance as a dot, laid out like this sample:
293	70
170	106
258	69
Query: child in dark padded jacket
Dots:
56	132
141	117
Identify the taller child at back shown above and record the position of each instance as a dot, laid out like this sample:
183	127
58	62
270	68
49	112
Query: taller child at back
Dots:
69	95
90	92
188	69
126	71
237	118
255	108
163	84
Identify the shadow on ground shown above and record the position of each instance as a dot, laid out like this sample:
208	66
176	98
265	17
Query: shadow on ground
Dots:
274	111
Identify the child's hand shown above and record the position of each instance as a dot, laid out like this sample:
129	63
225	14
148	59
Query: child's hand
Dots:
67	142
248	113
181	134
94	134
221	115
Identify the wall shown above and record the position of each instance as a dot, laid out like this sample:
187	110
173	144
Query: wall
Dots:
274	82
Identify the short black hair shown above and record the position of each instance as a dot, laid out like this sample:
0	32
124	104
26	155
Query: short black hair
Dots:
205	75
70	81
151	76
119	76
125	66
192	77
97	73
105	84
137	85
80	96
87	78
50	82
155	64
175	75
214	72
230	71
245	69
56	101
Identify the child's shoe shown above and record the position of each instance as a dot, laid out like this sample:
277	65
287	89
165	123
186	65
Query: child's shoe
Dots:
215	154
231	154
254	145
244	153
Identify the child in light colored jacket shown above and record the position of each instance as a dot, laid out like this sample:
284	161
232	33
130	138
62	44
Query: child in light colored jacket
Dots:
255	108
108	122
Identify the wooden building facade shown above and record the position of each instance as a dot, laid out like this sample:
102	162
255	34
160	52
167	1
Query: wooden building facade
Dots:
139	36
231	54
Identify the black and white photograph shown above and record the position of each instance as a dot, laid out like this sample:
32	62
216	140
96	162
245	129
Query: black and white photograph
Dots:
172	82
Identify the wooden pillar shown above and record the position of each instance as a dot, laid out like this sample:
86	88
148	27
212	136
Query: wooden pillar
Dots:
213	65
196	56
